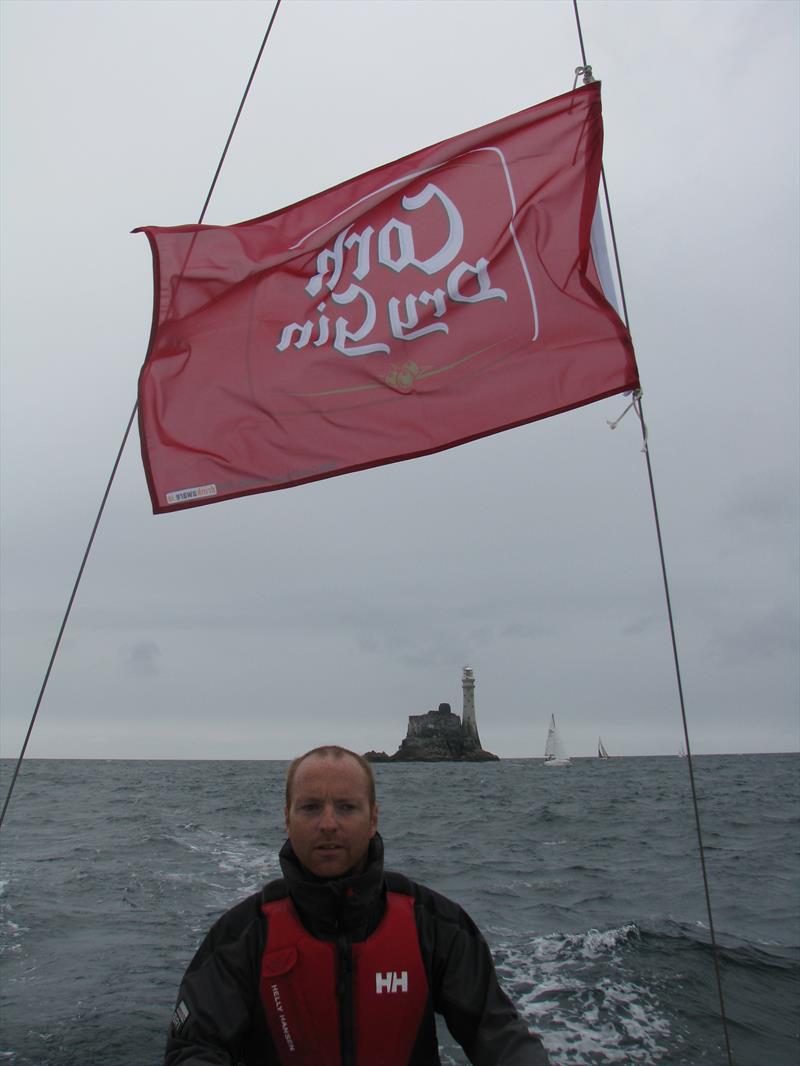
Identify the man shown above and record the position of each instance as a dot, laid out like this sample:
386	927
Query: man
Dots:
341	963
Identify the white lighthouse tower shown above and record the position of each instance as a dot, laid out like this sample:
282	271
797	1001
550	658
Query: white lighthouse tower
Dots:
468	720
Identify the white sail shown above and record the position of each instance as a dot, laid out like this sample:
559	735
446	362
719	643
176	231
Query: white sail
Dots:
601	749
554	752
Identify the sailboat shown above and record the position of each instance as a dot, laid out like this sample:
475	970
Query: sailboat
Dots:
601	749
554	753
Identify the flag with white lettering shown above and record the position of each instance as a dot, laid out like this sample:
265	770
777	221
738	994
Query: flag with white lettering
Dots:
437	299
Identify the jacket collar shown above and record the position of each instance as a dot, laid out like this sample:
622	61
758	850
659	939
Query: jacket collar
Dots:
351	906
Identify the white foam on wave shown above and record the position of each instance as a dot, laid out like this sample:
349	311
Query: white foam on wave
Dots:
245	865
11	932
573	989
589	945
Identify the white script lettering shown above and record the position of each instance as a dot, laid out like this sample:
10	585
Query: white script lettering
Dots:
410	316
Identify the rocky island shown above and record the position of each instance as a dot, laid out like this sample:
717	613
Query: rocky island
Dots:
440	735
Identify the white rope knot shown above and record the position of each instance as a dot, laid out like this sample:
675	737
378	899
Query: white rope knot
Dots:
613	423
635	397
588	77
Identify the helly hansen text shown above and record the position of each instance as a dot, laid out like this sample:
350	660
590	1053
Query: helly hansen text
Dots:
391	982
282	1016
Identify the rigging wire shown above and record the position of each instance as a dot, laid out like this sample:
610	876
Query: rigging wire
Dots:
637	406
115	467
57	644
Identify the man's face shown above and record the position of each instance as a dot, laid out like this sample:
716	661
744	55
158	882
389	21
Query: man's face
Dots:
329	819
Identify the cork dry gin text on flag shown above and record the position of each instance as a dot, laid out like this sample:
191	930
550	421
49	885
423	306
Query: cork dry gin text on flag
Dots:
437	299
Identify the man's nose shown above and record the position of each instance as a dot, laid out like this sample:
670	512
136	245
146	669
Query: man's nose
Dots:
328	817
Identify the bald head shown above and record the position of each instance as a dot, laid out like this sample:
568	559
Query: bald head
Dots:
332	751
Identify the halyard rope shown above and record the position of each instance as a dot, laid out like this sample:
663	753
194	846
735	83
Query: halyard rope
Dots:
122	446
637	406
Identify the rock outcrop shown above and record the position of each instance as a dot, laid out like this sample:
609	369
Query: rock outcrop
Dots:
438	736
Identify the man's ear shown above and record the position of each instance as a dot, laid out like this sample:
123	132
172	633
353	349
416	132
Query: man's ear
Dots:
286	819
373	821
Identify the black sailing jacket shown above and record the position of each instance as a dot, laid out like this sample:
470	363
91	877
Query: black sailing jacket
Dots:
219	1020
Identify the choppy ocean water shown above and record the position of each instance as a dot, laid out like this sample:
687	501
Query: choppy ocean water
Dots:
585	881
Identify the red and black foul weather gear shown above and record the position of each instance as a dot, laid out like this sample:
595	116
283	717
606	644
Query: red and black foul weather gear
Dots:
346	972
381	981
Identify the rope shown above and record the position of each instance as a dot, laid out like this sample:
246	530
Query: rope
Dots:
637	406
238	113
66	616
121	450
714	951
613	423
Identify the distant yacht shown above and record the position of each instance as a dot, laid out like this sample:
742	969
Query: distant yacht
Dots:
601	749
554	753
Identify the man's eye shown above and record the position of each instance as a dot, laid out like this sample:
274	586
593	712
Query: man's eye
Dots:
308	806
347	806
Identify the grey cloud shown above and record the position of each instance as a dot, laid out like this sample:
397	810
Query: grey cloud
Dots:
772	500
762	637
530	555
642	625
142	658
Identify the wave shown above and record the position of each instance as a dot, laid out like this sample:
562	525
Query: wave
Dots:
623	994
11	932
668	936
244	864
574	989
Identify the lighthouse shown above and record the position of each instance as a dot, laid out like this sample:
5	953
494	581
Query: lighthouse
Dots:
440	735
468	720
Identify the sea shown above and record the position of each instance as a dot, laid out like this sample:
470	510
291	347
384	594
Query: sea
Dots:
586	882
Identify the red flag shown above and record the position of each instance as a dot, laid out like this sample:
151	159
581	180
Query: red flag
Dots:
434	300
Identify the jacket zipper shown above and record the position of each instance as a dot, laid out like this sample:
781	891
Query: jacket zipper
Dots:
344	991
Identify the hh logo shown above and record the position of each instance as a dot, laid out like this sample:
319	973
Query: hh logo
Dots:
391	982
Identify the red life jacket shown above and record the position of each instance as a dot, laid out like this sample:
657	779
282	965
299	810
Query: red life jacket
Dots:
307	984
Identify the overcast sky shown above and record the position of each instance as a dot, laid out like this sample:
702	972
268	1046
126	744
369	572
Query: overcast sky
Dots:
260	627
